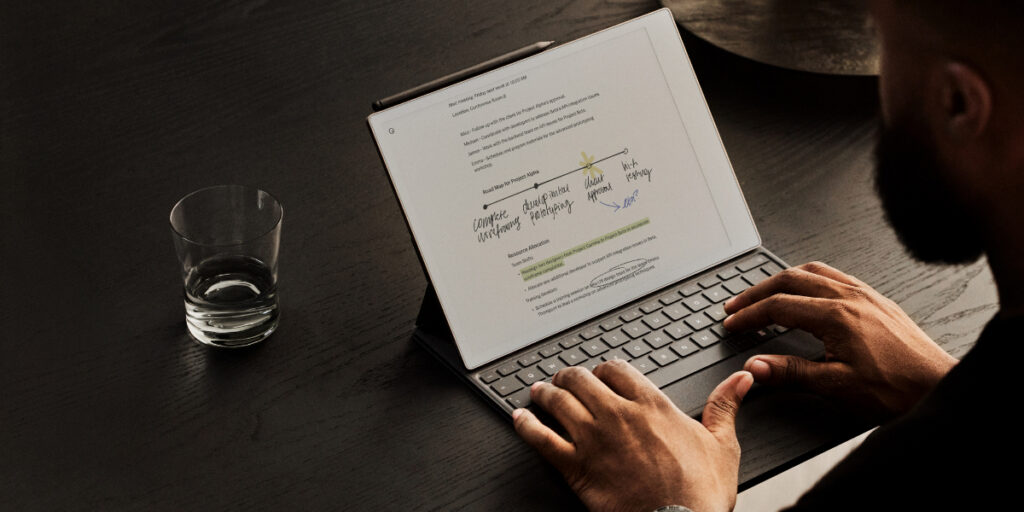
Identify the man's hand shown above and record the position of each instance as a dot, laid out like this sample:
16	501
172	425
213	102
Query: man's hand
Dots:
876	358
632	448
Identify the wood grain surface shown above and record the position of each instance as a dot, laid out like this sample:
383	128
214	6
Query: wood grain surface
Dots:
111	111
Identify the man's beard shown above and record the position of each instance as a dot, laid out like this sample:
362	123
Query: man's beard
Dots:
929	220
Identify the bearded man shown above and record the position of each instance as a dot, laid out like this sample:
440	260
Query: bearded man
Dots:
950	172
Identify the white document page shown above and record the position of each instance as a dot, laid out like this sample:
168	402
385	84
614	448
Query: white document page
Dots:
554	189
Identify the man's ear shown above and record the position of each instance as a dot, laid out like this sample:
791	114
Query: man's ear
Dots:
966	102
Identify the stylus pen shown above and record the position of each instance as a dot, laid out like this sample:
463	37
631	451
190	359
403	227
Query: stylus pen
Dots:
446	80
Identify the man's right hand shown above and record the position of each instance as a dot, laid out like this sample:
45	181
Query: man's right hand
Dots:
877	359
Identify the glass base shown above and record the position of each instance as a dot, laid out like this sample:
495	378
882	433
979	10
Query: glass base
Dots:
231	329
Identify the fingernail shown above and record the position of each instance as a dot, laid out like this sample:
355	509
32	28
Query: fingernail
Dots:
760	370
729	302
745	382
516	414
727	321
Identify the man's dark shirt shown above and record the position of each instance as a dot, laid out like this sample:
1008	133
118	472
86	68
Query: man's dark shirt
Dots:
956	450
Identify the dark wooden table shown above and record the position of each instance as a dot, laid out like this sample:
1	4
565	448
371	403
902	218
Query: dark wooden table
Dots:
111	111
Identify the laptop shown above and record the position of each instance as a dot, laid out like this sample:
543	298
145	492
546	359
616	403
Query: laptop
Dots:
578	206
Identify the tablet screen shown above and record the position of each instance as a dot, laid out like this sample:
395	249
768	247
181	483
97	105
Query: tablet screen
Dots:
554	189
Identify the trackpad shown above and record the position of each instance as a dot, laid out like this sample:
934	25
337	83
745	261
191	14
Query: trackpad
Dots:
690	394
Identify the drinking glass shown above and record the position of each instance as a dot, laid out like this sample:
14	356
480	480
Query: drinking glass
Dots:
227	239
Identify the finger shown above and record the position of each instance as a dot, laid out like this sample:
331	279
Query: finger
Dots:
817	267
588	389
559	452
624	379
561	404
794	281
799	373
814	315
724	402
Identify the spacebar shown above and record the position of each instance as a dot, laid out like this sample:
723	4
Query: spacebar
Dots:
689	365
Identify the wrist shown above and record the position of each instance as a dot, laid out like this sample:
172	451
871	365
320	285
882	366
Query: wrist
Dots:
941	368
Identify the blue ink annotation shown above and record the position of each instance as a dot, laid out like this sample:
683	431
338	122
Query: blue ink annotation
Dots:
626	203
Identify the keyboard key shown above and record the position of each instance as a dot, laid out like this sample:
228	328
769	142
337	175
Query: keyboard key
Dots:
664	356
489	376
684	348
529	359
689	289
655	321
705	338
716	313
657	339
720	331
728	273
637	349
507	386
520	399
676	311
736	285
636	329
754	277
754	261
611	323
771	268
696	303
644	365
550	350
689	365
678	330
669	298
708	282
531	375
616	354
741	342
570	341
631	315
594	348
508	369
780	329
591	332
551	366
697	322
650	307
573	357
614	339
591	364
716	294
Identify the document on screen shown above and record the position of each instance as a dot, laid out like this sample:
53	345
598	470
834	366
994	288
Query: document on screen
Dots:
554	189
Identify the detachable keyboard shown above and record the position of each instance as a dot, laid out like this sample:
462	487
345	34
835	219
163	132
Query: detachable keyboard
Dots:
668	336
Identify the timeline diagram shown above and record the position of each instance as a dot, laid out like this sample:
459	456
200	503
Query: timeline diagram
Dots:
587	165
558	197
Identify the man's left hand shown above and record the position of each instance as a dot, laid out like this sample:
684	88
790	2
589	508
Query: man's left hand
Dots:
632	448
